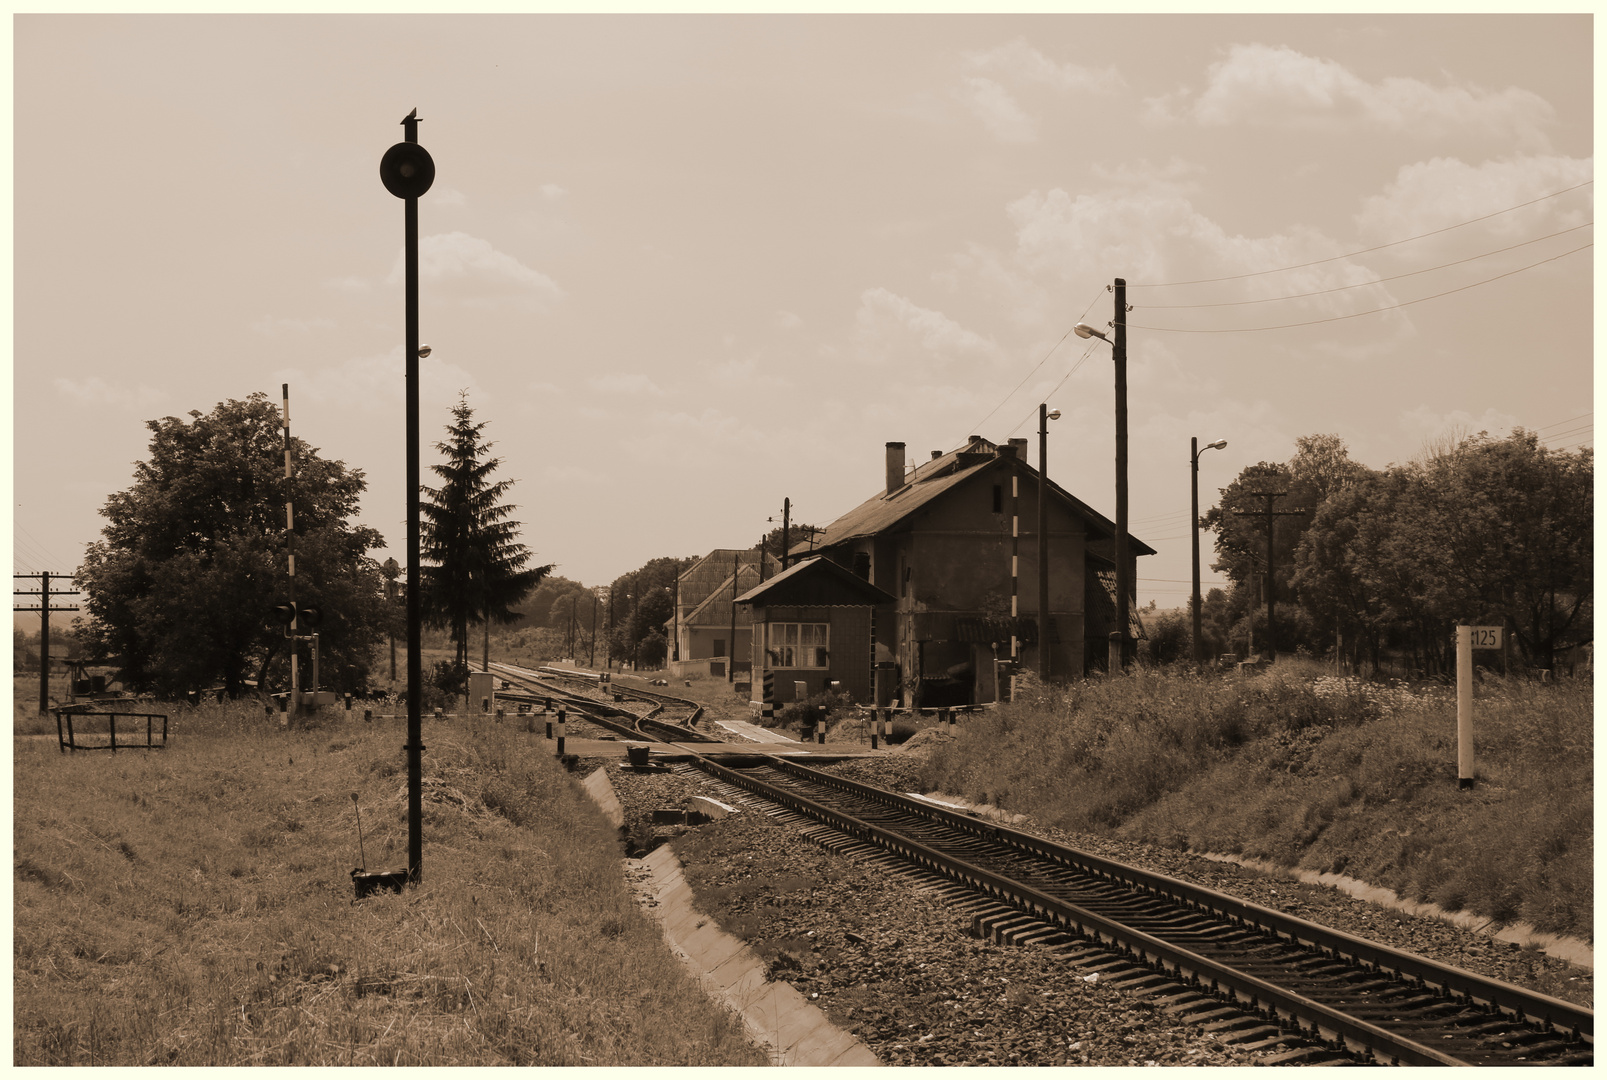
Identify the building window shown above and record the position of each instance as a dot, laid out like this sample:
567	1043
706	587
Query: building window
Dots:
719	646
798	645
998	498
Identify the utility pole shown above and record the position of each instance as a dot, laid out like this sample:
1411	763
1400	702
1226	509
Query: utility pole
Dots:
290	555
1195	651
1124	582
591	660
786	530
1271	580
390	569
1015	575
731	664
1044	416
44	592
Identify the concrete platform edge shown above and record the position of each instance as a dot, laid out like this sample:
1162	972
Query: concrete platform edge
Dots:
776	1016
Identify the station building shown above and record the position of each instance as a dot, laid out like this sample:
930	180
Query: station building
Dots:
936	543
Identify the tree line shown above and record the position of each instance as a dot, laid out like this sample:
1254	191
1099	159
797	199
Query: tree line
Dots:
1385	562
179	591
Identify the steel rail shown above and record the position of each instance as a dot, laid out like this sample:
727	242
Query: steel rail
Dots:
591	708
1539	1008
1327	1024
648	695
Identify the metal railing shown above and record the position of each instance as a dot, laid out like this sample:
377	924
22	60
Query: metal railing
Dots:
67	736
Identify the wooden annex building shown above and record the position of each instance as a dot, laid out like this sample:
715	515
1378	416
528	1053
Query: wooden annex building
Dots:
937	542
814	624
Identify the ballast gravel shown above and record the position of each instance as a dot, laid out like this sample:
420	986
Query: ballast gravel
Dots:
892	961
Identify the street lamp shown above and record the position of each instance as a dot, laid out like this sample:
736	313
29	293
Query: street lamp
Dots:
1045	414
1195	450
1118	347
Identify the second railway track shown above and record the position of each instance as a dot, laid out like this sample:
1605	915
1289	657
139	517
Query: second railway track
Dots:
1368	1001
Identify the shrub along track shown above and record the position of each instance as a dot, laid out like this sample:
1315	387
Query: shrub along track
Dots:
1270	978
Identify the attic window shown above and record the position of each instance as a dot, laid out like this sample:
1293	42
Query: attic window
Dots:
998	498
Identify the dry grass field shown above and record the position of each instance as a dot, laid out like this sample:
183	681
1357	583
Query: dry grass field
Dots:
193	906
1306	770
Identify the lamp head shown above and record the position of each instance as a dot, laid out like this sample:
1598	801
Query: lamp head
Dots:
1084	330
423	351
1054	414
1219	444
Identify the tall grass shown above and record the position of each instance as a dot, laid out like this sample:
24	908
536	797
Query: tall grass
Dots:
1316	772
193	907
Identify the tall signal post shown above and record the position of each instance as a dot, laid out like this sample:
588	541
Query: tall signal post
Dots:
407	171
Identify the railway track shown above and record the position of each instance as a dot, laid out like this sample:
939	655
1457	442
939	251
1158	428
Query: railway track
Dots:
1270	975
666	719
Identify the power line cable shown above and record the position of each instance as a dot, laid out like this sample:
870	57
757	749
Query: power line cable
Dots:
1358	314
1055	388
1365	284
1042	362
1363	251
1569	420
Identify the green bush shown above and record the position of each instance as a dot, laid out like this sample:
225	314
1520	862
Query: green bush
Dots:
1306	769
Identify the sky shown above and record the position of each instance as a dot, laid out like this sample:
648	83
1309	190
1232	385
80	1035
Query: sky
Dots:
686	267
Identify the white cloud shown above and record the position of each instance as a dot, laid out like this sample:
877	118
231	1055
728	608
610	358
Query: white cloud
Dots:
552	191
274	326
348	284
1428	195
96	391
997	110
786	320
475	273
886	321
619	382
1022	62
1277	86
445	196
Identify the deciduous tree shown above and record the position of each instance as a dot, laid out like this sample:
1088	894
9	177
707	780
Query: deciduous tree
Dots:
193	556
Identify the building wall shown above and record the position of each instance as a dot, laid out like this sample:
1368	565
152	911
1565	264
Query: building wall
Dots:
848	659
697	644
958	552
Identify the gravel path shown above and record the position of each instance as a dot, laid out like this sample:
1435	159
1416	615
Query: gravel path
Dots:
892	962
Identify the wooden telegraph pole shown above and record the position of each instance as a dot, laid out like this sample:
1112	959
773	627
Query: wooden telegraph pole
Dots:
1272	582
44	592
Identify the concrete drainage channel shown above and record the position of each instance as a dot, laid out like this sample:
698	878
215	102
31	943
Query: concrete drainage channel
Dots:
777	1017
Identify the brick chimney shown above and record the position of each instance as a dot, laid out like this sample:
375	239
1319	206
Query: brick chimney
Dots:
895	466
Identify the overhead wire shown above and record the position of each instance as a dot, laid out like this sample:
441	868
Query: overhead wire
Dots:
1362	251
1356	314
1041	363
1365	284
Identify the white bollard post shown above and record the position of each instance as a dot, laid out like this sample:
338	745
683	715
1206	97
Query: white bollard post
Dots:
1464	706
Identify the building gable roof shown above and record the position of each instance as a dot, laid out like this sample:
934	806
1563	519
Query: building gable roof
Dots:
706	586
934	478
816	582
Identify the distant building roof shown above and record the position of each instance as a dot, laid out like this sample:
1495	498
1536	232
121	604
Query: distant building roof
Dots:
931	479
816	582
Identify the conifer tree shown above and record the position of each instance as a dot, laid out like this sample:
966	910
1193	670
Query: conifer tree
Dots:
477	569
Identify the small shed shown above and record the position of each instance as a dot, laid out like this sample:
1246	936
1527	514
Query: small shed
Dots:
815	623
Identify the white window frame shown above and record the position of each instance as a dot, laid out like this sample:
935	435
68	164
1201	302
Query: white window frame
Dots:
811	643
